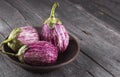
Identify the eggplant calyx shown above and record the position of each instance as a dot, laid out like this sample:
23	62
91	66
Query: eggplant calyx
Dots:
13	35
52	20
21	52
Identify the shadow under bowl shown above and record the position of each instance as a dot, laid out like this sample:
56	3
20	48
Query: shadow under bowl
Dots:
65	58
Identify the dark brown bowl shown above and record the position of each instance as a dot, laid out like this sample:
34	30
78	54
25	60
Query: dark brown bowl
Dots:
65	58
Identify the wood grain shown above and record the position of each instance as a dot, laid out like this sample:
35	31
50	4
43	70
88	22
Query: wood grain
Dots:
107	10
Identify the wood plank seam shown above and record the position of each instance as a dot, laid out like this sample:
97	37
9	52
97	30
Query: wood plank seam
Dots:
79	8
20	11
112	20
2	35
94	60
6	23
105	12
98	63
90	73
24	6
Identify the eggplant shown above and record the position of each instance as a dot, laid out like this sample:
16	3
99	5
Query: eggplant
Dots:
38	53
54	31
21	36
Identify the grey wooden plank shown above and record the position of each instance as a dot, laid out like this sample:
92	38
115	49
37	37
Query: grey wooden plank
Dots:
110	7
1	38
93	69
66	22
4	28
102	10
11	16
30	16
98	48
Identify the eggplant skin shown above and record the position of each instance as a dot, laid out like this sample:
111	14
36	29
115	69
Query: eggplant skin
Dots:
41	53
57	36
28	35
22	36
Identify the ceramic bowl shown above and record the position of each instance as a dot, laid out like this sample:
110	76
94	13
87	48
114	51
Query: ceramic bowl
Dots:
65	58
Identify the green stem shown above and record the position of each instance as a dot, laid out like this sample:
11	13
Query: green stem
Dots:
55	5
6	41
52	21
21	52
3	51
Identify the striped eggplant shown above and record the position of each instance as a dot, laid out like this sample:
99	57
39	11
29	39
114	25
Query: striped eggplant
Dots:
20	36
54	31
38	53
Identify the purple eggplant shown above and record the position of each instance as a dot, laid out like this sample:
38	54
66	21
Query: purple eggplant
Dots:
54	31
20	36
38	53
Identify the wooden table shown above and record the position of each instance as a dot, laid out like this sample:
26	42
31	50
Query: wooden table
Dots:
96	23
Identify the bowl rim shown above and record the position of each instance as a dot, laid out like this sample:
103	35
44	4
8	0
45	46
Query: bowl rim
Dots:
51	66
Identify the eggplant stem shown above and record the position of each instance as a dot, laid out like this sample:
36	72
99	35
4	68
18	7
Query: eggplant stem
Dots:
55	5
8	53
6	41
52	21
